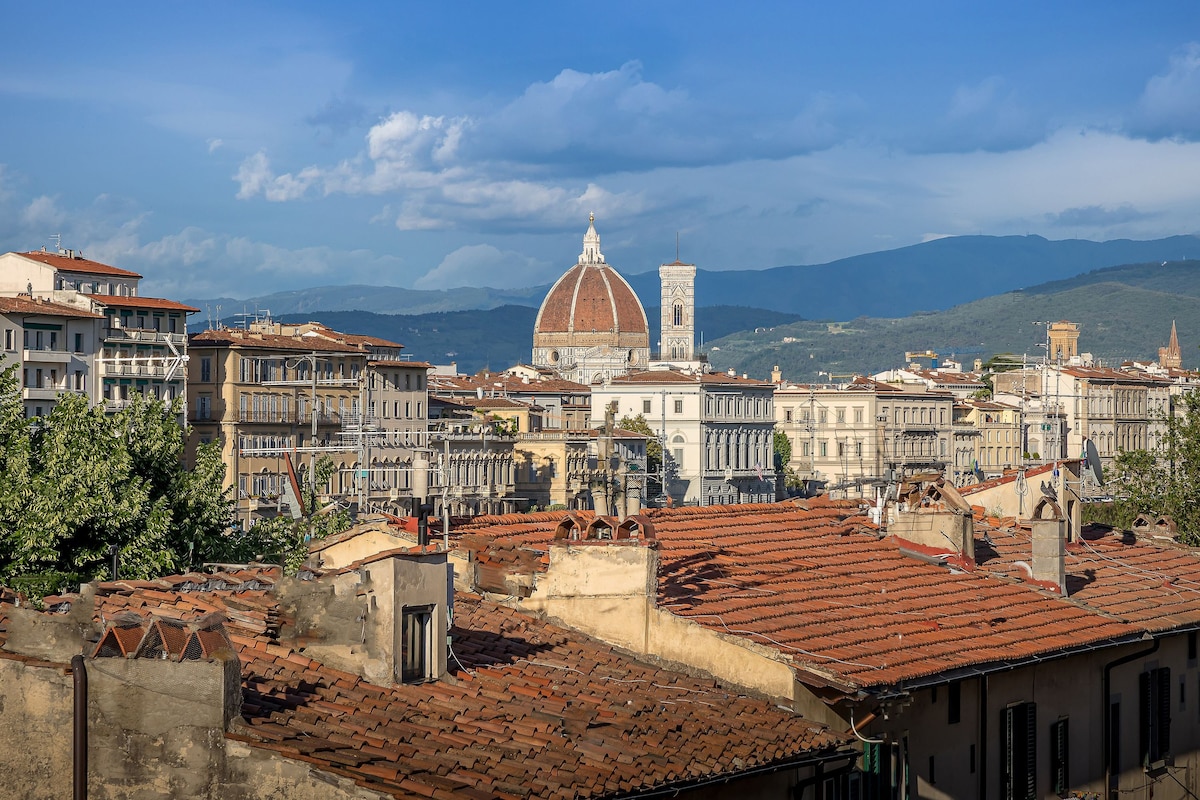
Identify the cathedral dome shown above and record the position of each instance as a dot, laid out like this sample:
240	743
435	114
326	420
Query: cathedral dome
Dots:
591	297
591	312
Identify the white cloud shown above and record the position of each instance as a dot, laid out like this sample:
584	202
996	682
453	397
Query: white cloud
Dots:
254	177
1170	103
214	145
484	265
43	212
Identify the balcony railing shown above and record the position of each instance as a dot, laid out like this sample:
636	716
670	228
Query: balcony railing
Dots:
156	370
144	336
263	416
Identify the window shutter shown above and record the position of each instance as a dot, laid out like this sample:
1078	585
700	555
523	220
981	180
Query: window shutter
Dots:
1029	772
1164	712
1145	731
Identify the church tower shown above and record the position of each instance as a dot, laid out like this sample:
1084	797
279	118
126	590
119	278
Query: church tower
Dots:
1171	357
677	333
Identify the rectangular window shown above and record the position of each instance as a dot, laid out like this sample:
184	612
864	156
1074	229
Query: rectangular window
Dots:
416	645
824	448
858	415
1060	779
1018	752
10	339
645	406
787	415
79	343
1154	708
205	370
954	713
678	406
841	414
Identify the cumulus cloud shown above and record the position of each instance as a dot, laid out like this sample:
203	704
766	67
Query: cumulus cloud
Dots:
1170	104
254	177
484	265
520	167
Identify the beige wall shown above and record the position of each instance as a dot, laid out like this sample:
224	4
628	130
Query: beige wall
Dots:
1068	687
153	733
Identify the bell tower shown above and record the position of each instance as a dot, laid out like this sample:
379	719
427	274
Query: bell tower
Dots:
677	341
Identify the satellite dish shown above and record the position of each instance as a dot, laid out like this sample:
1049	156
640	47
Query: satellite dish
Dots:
1091	461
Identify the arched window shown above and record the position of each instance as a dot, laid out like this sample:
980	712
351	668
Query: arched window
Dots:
678	314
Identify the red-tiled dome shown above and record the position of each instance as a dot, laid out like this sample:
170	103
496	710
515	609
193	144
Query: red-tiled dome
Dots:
591	296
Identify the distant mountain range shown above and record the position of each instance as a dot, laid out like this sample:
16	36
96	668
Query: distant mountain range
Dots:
497	337
930	276
1124	312
960	297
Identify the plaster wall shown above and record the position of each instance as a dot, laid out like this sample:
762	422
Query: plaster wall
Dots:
964	759
17	272
608	591
364	545
161	739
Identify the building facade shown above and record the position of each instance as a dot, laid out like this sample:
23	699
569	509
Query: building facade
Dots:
105	340
850	436
716	431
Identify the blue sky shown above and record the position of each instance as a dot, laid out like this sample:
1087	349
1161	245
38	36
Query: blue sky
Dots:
241	148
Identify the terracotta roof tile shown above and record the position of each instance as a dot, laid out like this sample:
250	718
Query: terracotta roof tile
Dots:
26	305
142	302
838	601
535	710
82	265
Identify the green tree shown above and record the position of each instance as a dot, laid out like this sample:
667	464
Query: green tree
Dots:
285	540
654	451
1167	479
79	483
782	447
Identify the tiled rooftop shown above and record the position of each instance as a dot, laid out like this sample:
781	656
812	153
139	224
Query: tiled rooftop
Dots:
27	305
83	265
822	588
1152	584
531	710
142	302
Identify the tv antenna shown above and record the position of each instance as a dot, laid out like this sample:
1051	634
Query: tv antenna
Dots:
57	239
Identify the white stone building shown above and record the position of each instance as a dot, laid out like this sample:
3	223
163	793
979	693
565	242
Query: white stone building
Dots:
716	430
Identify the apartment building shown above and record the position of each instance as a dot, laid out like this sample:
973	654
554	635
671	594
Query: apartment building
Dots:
1065	405
104	338
565	405
849	436
273	389
716	431
54	346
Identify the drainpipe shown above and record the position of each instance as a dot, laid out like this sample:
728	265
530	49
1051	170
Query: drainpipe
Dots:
1106	689
981	756
80	760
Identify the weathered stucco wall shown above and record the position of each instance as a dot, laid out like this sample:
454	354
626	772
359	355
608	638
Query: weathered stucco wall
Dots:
608	591
155	731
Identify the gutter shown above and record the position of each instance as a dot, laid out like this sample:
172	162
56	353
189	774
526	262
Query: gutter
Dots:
818	760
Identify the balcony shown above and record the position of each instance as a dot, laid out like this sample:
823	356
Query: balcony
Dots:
45	355
135	370
33	393
250	416
143	336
